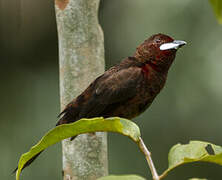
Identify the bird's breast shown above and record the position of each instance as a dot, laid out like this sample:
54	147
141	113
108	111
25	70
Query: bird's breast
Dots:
153	83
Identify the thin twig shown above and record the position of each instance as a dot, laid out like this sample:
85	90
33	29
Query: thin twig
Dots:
164	174
147	154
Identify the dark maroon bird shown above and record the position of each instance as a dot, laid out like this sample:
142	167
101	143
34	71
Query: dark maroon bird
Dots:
129	88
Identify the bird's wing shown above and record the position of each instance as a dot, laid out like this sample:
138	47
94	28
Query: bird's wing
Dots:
111	88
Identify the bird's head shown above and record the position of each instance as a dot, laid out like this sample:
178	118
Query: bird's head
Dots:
159	50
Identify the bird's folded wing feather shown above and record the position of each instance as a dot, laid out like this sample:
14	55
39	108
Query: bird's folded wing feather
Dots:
110	89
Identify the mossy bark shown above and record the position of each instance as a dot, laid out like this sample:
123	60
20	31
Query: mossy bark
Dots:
81	60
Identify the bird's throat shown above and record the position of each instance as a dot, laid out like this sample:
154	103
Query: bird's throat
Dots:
150	66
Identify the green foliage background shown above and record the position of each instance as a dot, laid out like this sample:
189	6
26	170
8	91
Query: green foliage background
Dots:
189	107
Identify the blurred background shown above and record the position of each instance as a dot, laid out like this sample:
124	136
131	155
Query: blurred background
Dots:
189	107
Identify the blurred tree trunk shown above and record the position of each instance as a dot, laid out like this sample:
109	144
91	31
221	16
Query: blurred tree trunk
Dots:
81	59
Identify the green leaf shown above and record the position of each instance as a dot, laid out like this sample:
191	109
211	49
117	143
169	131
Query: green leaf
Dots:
122	177
115	124
195	151
217	7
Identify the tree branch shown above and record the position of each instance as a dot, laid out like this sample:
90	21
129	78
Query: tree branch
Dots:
81	59
147	154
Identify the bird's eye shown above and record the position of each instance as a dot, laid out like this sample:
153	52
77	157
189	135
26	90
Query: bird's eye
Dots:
157	40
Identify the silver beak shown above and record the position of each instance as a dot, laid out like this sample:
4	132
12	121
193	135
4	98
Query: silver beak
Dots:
172	45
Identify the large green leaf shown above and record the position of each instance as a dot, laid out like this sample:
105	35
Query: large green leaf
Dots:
122	177
193	152
217	7
115	124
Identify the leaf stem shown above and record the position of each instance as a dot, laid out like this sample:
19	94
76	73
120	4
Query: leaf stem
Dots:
164	174
147	154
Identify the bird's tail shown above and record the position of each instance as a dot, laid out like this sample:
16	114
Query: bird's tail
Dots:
28	162
65	119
